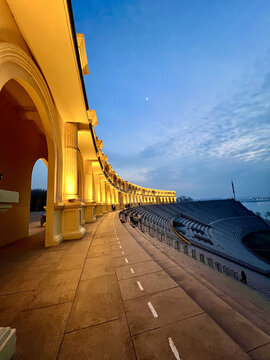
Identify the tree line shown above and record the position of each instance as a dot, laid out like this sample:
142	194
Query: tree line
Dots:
38	199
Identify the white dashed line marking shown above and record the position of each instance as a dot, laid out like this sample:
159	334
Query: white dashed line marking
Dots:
151	307
174	349
140	285
132	271
123	253
119	242
126	260
120	247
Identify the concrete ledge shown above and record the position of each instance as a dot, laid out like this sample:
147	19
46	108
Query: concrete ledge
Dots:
7	343
7	199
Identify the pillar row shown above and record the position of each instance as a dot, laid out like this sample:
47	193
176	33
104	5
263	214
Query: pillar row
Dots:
89	210
72	215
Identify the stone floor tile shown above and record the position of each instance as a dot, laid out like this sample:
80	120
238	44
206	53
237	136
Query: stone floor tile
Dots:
146	267
97	266
71	261
171	305
97	300
96	251
261	353
49	257
196	338
105	341
150	284
40	332
57	288
12	305
132	259
98	242
19	283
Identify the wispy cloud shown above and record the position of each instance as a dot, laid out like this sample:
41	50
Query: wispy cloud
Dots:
237	128
227	138
138	175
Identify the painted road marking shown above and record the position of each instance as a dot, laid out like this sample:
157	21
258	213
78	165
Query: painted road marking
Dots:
123	253
132	271
120	247
119	242
151	307
174	349
126	260
140	285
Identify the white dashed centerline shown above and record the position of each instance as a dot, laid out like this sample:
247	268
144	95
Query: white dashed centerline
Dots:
120	247
174	349
126	260
151	307
132	271
123	253
140	285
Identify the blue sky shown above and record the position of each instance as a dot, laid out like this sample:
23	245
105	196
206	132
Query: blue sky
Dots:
182	92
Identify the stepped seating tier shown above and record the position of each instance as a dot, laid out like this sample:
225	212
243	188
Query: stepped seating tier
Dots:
218	226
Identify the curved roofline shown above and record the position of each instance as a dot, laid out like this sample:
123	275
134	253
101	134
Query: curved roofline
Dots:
164	193
74	37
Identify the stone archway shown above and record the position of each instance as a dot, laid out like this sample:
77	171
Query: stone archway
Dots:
16	66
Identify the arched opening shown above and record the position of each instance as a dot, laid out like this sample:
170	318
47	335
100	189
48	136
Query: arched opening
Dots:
29	86
38	199
22	143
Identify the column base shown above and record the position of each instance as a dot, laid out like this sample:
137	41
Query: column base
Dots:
104	209
57	239
90	213
99	210
53	228
75	235
109	207
72	221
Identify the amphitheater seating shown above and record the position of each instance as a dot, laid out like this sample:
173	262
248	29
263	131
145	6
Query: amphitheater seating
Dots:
217	226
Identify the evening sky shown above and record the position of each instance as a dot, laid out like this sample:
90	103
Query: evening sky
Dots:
182	92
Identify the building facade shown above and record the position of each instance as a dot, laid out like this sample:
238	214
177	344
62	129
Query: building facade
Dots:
44	114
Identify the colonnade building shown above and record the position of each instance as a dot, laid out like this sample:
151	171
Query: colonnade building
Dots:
44	114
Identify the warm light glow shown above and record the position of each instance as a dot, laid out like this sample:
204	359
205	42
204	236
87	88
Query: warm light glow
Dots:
70	186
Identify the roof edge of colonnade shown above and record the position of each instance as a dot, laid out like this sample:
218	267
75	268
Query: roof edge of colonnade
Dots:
113	178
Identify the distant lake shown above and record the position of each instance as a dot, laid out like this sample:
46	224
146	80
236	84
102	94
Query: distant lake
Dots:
259	206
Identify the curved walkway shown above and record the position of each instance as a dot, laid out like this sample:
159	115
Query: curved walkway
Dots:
120	294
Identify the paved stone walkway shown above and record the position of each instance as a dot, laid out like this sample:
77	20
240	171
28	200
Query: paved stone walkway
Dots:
119	294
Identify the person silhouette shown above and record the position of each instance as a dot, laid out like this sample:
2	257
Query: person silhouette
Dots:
243	277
